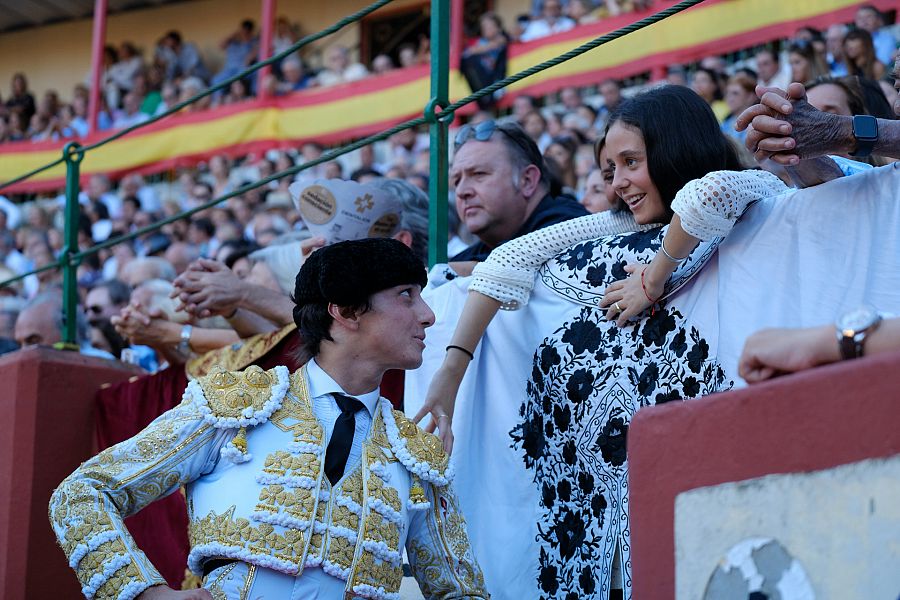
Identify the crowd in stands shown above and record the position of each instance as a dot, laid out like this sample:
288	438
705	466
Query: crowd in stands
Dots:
845	67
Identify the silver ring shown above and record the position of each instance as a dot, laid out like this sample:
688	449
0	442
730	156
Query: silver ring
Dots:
618	308
443	416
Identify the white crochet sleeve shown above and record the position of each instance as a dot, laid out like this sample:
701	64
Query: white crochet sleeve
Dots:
709	206
509	271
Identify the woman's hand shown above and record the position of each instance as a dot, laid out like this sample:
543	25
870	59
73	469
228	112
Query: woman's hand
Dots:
626	298
441	400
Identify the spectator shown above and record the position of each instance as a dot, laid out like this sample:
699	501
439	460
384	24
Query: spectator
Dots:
179	59
238	91
294	77
806	63
120	75
484	62
140	270
551	21
611	90
241	48
869	19
561	155
285	36
408	56
20	101
706	84
676	75
740	95
41	323
834	44
768	67
535	125
599	194
382	64
860	55
582	12
131	112
339	69
189	88
501	186
522	106
149	86
838	96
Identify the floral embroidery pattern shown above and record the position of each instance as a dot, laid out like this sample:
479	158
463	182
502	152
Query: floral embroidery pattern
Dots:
588	379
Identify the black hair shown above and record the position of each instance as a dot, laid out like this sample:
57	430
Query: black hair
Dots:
119	291
681	134
365	172
205	225
133	200
717	95
241	249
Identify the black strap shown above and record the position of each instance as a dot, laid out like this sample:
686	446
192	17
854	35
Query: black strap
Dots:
342	437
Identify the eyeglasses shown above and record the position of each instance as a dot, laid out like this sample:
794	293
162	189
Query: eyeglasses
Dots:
483	131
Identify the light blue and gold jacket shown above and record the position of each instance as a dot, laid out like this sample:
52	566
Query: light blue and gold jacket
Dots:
249	450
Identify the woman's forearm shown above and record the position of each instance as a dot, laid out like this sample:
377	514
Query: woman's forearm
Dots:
477	314
679	244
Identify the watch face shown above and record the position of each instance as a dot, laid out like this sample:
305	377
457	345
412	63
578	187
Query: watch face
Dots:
858	319
865	127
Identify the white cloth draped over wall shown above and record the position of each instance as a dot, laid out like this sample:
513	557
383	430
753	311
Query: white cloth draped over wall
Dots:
794	260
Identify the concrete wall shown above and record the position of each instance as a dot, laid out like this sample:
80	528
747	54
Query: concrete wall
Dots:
47	402
803	467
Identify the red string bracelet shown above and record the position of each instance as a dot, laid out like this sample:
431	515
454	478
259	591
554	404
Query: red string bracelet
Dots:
653	302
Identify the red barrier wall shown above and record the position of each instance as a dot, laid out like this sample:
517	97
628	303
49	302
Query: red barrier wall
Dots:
813	420
47	403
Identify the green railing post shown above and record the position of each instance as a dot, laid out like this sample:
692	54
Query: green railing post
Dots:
440	90
72	155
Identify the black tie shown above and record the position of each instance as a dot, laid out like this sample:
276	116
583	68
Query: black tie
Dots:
342	437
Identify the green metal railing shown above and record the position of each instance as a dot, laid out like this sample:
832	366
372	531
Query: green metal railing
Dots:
438	114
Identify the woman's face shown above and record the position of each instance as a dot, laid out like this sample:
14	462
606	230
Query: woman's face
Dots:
704	86
853	49
631	180
737	98
534	126
799	67
489	29
558	153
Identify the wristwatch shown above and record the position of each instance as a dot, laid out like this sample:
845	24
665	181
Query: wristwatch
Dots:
865	130
184	346
852	329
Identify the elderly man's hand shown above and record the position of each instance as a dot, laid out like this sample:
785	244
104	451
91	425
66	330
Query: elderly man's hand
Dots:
785	128
209	288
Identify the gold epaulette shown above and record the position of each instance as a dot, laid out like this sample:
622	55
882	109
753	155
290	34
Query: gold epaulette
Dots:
240	398
420	452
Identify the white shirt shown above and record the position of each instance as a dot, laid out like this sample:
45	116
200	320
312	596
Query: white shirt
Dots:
542	28
321	391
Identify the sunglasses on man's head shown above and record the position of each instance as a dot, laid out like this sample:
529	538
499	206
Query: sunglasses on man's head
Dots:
483	131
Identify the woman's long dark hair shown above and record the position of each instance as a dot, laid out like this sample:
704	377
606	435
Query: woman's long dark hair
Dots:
681	134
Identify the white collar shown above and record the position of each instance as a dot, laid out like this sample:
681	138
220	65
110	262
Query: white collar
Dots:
322	384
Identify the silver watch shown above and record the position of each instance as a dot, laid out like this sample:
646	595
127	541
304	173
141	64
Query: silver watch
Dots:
184	346
852	329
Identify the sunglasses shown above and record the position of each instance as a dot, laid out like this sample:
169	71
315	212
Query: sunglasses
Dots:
483	131
94	309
